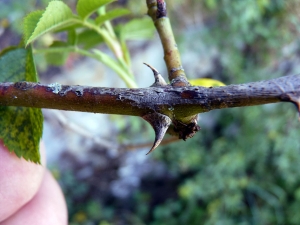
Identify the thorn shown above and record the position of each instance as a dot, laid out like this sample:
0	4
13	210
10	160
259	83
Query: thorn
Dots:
160	124
159	80
296	101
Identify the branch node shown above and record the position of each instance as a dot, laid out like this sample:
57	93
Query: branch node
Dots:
159	80
161	9
186	131
180	81
160	124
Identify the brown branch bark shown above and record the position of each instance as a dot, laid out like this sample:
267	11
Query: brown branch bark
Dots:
167	108
177	103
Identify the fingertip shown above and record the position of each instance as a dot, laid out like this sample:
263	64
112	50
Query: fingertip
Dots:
19	180
47	207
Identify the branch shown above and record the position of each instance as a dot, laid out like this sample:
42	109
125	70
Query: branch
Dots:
165	107
175	102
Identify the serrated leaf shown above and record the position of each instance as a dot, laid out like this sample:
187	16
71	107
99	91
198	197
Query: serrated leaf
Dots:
12	61
86	7
69	26
56	16
30	23
137	29
20	127
206	82
57	58
111	15
89	38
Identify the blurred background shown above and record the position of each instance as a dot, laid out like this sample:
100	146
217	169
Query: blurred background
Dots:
243	167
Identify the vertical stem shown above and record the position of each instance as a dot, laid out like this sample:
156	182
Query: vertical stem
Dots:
158	12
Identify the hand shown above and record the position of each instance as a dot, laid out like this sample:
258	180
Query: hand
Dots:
28	192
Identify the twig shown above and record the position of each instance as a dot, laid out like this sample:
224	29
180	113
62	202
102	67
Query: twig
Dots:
157	11
72	126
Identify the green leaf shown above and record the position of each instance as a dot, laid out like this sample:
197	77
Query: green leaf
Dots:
72	37
137	29
30	23
57	58
89	38
111	15
86	7
206	82
16	64
20	128
73	25
56	16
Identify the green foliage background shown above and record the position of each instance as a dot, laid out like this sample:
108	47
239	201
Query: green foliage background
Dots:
243	167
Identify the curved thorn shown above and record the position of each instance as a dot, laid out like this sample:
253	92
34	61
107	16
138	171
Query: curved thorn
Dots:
160	124
159	80
155	72
296	101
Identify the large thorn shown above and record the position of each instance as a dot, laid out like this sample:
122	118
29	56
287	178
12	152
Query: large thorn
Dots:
159	80
296	101
160	124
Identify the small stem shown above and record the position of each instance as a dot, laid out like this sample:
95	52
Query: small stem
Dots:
105	34
107	24
111	63
113	45
122	68
117	67
126	53
157	11
54	50
105	59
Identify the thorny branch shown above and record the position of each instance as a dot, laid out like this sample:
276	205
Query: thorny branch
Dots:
157	10
172	101
173	104
168	108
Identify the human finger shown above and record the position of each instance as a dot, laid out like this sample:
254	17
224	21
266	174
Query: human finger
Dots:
46	207
19	181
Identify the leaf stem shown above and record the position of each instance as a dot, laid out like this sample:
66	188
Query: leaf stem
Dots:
113	45
115	66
